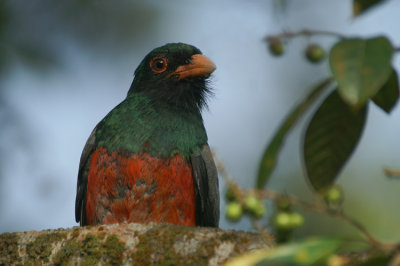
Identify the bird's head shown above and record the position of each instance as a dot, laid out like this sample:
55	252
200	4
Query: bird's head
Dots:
175	76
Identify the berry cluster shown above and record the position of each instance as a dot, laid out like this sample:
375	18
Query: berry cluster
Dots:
285	219
314	53
249	204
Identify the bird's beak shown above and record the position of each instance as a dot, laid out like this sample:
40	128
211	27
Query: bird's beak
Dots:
200	66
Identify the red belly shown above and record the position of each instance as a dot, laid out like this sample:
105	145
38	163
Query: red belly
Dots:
125	187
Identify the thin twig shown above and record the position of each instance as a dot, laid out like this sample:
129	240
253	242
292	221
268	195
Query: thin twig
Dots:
317	207
270	194
304	32
392	173
308	33
257	226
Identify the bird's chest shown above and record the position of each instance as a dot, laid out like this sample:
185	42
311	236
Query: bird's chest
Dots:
128	187
159	134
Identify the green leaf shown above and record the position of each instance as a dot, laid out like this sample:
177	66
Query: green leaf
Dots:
361	67
313	251
330	139
269	159
360	6
388	95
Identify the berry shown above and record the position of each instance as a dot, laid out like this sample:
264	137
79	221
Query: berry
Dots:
296	220
283	204
315	53
276	46
230	195
250	203
282	221
253	205
259	211
334	195
234	211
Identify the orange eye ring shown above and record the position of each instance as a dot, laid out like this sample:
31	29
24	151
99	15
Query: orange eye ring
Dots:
158	64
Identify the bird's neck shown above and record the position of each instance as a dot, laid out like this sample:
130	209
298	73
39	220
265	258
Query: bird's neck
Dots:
164	130
163	105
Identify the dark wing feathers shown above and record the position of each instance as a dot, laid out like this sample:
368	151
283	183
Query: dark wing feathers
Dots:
80	202
206	188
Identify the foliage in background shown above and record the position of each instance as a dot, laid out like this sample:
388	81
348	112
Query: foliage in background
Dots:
362	73
27	36
39	36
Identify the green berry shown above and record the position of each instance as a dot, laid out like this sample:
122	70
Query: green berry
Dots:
334	195
230	195
282	220
259	211
276	46
234	211
283	204
315	53
296	220
253	205
250	203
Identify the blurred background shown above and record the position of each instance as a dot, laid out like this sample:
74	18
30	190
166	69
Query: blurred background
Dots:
65	64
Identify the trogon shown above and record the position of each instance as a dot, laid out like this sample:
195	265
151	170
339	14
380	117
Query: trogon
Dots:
148	160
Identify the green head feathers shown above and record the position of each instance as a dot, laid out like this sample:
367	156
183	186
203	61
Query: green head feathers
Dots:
161	114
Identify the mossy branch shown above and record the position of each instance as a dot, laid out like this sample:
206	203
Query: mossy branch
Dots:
128	244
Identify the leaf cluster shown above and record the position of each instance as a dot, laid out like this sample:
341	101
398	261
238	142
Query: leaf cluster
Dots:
361	74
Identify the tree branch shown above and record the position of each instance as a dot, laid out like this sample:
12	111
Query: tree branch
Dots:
128	244
394	173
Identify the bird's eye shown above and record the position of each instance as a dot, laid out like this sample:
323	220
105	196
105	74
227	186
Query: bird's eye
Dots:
158	64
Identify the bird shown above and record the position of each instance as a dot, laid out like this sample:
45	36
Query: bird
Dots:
149	160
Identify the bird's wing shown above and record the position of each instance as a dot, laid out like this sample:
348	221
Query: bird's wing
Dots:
80	202
206	188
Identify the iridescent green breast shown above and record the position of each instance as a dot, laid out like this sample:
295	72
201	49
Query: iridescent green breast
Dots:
135	125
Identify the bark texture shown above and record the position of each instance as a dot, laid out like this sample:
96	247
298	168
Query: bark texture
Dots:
128	244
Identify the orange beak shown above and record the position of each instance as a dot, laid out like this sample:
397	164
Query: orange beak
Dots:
200	66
